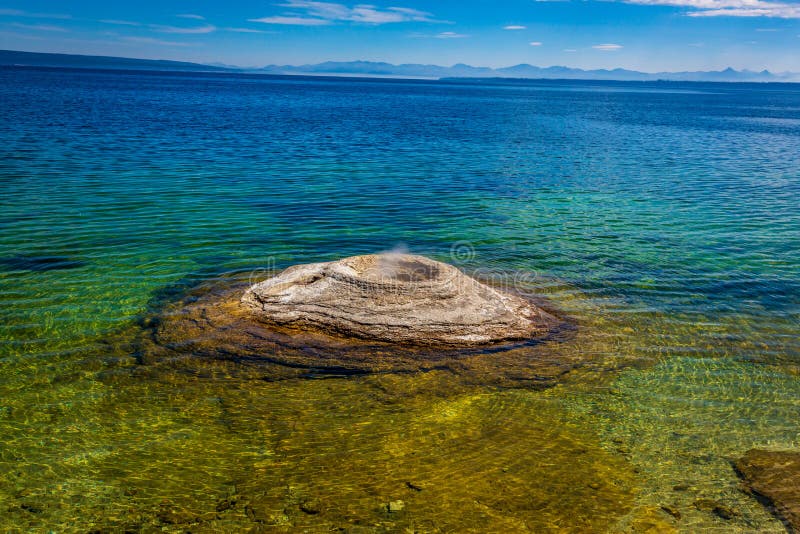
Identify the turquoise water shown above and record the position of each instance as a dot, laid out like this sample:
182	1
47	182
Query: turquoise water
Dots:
663	218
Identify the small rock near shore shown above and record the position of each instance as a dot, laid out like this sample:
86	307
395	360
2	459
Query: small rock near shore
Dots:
394	507
774	478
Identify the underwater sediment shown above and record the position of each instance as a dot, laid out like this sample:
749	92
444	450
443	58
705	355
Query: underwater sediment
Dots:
216	431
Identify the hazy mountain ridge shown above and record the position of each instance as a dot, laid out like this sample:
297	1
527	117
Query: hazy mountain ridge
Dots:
369	68
406	70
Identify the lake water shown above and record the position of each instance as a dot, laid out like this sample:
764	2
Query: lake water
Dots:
662	219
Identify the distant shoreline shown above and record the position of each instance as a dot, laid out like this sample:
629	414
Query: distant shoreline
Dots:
388	79
383	71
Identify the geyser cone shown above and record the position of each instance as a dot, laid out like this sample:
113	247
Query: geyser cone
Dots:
366	314
396	298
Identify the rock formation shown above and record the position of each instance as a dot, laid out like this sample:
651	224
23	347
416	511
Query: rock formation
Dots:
367	314
395	298
774	476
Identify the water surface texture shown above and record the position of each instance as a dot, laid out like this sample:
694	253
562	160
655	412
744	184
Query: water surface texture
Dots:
662	219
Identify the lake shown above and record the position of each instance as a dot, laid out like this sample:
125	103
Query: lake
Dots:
661	218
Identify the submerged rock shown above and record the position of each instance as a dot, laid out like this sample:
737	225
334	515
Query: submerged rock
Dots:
719	509
40	263
394	507
397	298
345	318
774	477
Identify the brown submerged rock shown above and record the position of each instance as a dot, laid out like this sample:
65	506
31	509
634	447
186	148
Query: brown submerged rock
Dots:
396	298
345	318
774	476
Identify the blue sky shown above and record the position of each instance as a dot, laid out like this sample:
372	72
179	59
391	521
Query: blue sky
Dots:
648	35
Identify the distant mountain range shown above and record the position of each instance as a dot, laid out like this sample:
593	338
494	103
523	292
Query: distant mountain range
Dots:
379	69
369	68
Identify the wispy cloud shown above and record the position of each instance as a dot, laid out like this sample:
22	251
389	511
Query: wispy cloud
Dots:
730	8
513	27
570	50
785	12
292	21
311	13
450	35
408	14
120	22
149	40
245	30
40	27
18	35
608	47
22	13
535	43
191	16
181	30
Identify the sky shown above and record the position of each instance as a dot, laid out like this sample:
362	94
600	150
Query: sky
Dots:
645	35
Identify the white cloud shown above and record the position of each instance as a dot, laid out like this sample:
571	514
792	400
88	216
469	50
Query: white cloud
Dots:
40	27
788	12
514	27
730	8
450	35
292	21
148	40
21	13
312	13
570	50
18	35
609	47
191	16
536	43
179	30
244	30
120	22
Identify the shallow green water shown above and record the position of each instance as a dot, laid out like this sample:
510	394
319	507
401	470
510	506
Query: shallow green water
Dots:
665	224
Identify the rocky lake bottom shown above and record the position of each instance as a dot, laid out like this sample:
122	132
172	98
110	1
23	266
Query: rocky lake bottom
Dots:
226	442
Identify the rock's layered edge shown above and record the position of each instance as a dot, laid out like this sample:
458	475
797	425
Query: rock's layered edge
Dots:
395	298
